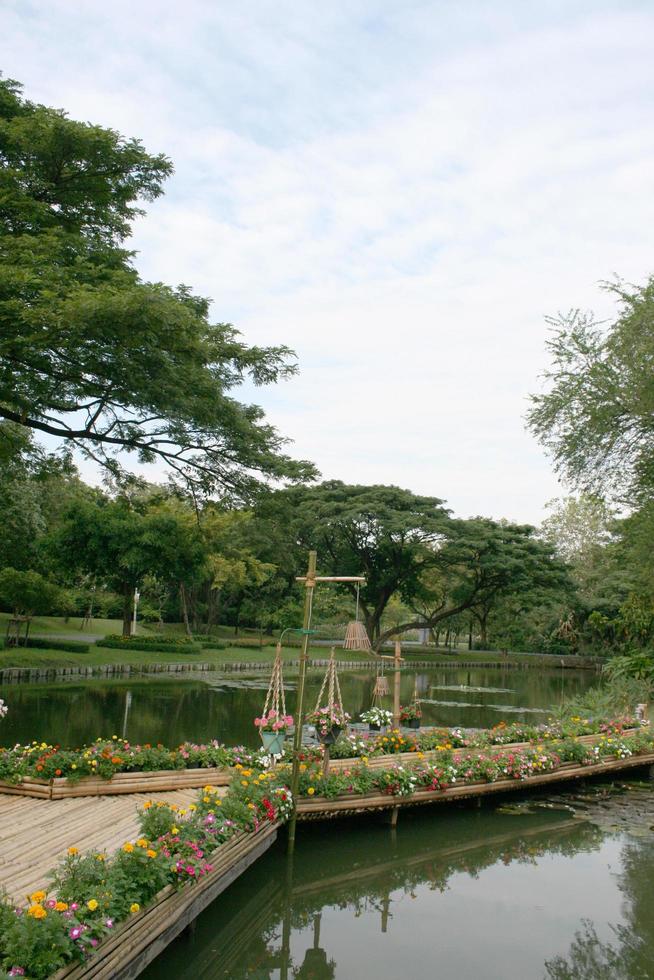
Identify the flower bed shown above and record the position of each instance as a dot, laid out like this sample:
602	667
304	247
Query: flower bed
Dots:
91	893
109	766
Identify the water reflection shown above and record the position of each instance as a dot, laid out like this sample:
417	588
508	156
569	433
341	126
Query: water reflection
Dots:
222	706
356	903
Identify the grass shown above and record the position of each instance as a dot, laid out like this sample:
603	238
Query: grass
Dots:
98	656
57	624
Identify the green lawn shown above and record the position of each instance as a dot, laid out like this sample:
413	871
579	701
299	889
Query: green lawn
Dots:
99	655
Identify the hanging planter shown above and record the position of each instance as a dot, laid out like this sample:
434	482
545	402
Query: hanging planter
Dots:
377	718
410	715
330	719
274	724
273	742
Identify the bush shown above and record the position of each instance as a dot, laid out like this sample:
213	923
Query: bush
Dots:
148	643
38	643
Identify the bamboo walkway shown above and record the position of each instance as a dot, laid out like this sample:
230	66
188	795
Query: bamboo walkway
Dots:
34	834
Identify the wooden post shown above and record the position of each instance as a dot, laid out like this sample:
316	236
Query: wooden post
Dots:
325	761
309	586
396	685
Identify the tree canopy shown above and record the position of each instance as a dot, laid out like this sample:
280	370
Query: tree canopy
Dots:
89	352
597	417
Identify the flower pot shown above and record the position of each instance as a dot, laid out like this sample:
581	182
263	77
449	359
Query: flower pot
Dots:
329	737
412	723
373	727
273	742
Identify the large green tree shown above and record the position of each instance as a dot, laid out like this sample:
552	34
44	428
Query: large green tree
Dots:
383	533
596	417
90	353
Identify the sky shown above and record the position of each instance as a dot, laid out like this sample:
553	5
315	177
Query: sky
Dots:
401	192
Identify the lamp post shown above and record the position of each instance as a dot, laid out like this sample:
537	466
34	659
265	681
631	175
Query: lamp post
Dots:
137	596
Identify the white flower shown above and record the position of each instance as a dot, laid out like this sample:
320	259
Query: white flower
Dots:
3	708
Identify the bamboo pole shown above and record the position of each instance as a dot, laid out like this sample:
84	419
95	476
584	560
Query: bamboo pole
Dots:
309	586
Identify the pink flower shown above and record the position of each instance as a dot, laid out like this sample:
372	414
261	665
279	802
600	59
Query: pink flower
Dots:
74	906
109	923
190	869
75	932
16	971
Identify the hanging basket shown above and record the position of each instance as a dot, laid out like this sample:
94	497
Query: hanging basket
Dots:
329	719
356	637
273	742
330	736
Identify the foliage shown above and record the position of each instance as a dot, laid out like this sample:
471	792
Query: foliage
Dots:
377	716
38	643
274	722
26	593
409	712
109	363
596	417
138	643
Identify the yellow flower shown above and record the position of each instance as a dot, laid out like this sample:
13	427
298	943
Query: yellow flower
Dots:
192	806
244	782
99	857
146	806
134	908
37	897
251	806
174	830
74	765
128	848
37	911
303	767
208	789
92	904
61	906
311	791
217	802
150	853
206	799
73	851
141	842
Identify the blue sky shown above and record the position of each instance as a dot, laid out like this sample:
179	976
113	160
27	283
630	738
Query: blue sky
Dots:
400	192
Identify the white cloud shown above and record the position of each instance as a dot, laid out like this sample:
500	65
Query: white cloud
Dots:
400	192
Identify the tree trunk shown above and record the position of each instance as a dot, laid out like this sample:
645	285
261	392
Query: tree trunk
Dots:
437	638
483	631
447	639
182	596
470	636
127	610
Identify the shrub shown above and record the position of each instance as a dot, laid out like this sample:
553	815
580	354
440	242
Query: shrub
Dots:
150	643
39	643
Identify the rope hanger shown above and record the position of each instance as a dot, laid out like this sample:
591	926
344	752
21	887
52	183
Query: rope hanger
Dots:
275	699
330	681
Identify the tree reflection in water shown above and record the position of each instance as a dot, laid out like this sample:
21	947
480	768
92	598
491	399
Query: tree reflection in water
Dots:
630	954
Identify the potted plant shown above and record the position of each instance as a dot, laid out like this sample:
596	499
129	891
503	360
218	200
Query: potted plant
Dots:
328	722
410	715
377	718
273	729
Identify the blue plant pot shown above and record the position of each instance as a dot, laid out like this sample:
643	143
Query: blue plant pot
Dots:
273	742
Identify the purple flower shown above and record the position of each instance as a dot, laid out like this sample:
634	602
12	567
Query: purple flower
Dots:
75	932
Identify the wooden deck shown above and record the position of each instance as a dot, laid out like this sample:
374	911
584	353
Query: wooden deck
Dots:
34	834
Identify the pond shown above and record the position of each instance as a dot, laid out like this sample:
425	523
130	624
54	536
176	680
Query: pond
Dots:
223	705
512	892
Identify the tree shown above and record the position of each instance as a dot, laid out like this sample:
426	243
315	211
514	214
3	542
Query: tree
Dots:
90	353
482	563
597	418
382	533
26	593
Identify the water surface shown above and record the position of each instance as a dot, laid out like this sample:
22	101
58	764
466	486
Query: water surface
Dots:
200	707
